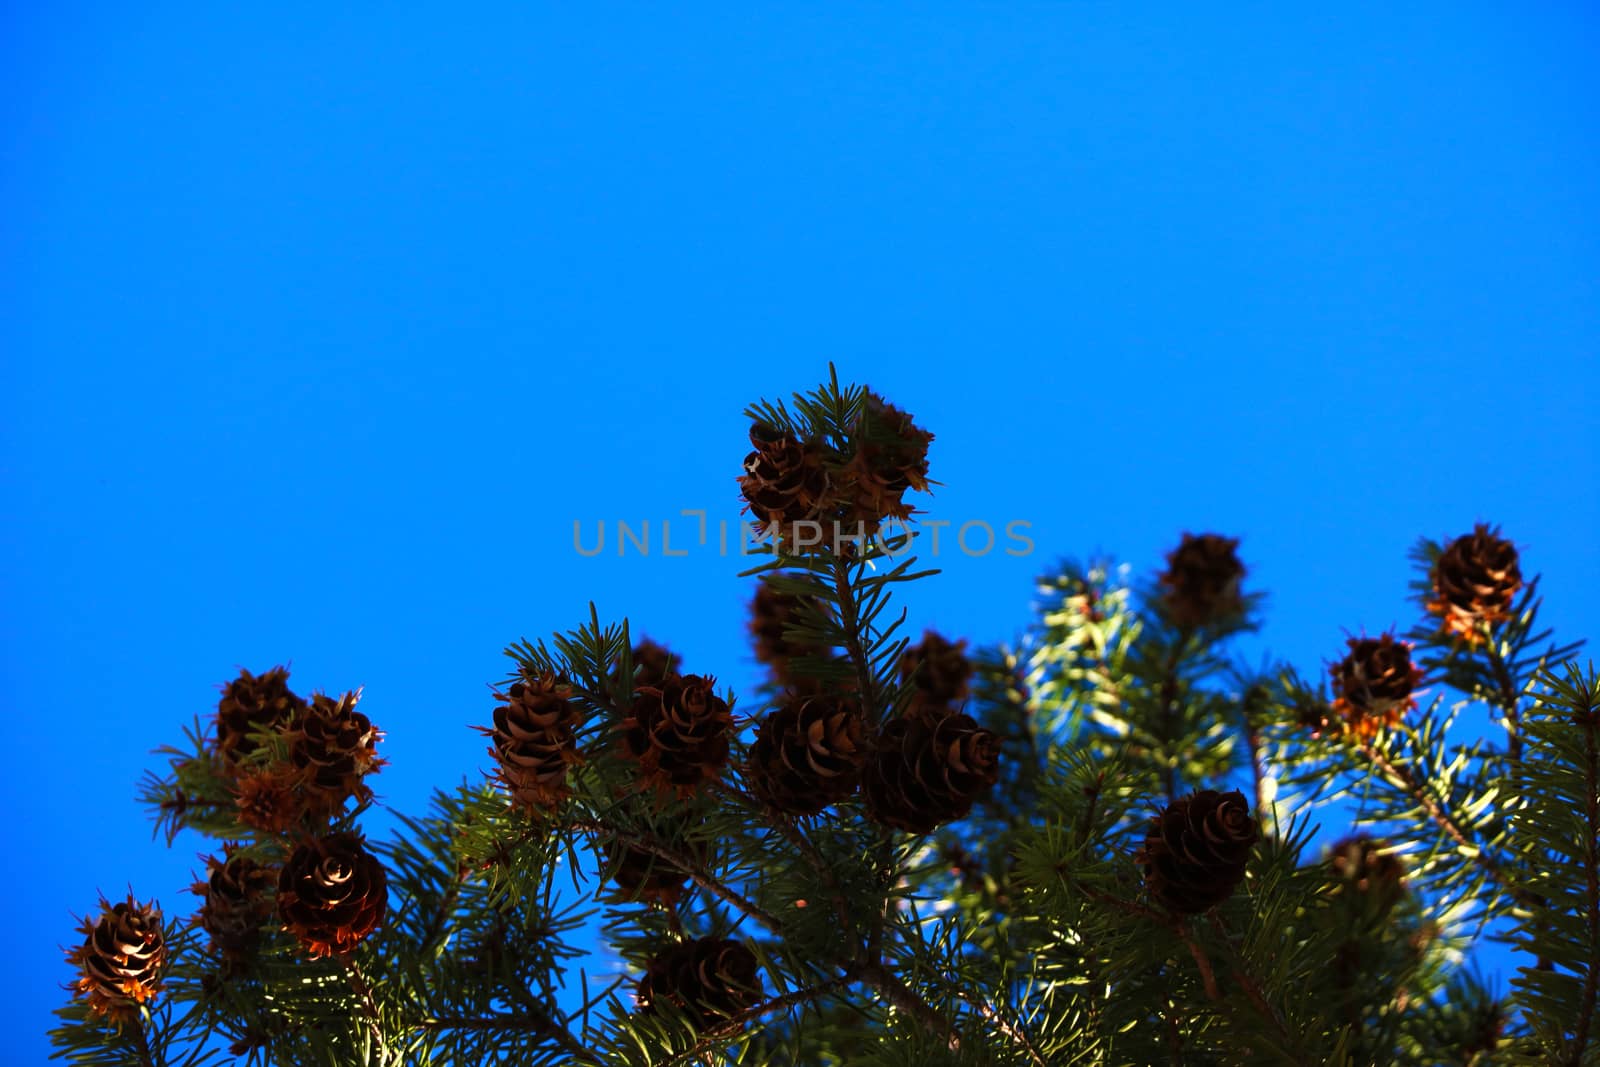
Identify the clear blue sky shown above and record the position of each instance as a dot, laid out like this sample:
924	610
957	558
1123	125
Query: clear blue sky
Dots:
321	328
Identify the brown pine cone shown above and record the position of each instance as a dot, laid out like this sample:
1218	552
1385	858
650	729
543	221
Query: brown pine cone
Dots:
891	458
771	614
1475	580
1369	877
1373	684
808	754
121	959
535	741
928	768
641	874
939	669
333	747
237	898
1202	579
652	663
1196	850
785	482
709	979
332	893
270	798
250	705
678	734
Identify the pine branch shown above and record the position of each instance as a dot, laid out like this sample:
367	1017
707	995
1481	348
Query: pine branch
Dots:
903	997
854	644
1241	974
1402	777
1207	977
369	1007
1591	845
696	870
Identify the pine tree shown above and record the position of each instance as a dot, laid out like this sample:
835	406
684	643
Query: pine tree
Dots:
1097	847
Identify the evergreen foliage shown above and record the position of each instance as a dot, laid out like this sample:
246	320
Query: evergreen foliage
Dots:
1023	930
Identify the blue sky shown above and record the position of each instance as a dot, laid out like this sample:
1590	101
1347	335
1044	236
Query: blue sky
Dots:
322	328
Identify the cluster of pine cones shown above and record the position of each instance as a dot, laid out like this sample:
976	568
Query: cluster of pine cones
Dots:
924	767
789	479
1473	583
675	729
815	748
291	765
291	762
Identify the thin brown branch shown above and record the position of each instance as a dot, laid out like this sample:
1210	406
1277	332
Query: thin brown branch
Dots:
141	1044
1258	777
1506	698
696	871
800	841
1168	693
532	1023
1402	776
369	1006
736	1023
1014	1034
1241	974
1207	977
905	998
853	642
1086	824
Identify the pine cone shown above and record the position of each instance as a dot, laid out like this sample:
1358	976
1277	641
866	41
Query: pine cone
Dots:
253	705
808	754
771	614
891	457
784	482
1366	875
1196	850
678	734
122	957
1475	580
652	663
709	980
643	875
928	768
333	746
939	669
535	741
236	900
270	798
1374	683
332	893
1202	580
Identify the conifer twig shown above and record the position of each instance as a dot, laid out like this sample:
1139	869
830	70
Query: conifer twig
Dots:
531	1022
1401	776
905	998
1247	982
369	1007
736	1022
807	850
852	634
697	873
1591	981
142	1044
1201	960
